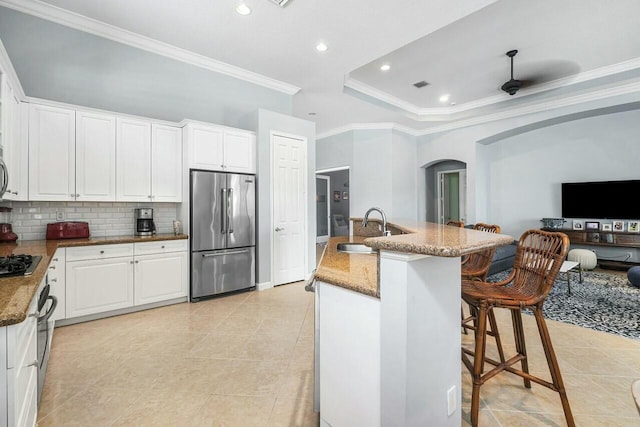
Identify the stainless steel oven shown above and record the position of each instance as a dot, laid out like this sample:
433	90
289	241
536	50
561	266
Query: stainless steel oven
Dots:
46	306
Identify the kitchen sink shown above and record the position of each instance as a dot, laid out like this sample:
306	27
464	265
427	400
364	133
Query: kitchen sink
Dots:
355	248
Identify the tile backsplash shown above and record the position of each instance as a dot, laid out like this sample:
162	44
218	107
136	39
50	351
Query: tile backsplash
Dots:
29	219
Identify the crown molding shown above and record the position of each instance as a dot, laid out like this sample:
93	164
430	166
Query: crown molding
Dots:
368	126
111	32
446	113
7	67
537	108
595	95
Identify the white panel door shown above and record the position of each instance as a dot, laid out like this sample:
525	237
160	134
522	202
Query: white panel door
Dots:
205	147
166	163
289	195
239	152
133	148
95	157
98	285
52	140
160	277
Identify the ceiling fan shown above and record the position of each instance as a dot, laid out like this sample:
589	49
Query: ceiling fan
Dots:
512	86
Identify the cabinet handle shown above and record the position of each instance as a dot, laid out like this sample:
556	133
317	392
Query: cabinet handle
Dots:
55	259
53	280
33	315
149	196
33	364
136	261
101	252
52	267
130	262
162	247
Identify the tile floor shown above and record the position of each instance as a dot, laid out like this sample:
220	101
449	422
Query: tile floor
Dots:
247	360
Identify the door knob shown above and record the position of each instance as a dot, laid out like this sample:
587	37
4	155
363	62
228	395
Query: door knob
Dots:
279	229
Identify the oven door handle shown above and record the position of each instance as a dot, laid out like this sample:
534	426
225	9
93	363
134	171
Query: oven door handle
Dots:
49	312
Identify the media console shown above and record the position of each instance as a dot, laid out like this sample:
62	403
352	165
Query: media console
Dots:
619	239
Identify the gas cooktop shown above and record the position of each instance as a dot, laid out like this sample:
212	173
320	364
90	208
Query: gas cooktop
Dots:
18	265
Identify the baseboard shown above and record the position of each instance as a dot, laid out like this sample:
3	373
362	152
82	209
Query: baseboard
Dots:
264	286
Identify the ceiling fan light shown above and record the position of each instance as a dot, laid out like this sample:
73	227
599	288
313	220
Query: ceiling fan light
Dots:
512	86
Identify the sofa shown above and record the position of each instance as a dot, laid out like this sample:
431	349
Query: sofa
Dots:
503	258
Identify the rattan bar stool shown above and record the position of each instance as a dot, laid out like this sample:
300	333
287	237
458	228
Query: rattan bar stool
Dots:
475	266
538	259
454	223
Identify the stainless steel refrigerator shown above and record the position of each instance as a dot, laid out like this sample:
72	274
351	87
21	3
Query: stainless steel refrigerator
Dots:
222	232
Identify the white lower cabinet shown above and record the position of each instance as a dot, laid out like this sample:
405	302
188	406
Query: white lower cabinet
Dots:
98	285
19	370
160	277
103	278
56	274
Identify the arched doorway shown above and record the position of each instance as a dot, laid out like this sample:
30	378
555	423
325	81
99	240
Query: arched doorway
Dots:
446	188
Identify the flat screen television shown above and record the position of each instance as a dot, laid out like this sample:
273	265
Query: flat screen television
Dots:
602	199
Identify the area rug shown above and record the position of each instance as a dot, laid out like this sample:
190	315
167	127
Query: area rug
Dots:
604	302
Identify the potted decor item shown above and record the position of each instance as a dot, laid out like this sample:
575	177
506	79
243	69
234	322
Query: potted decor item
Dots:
553	223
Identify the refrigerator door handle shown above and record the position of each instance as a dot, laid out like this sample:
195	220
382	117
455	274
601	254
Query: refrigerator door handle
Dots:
230	210
242	251
224	214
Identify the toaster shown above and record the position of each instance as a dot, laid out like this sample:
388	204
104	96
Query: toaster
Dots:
67	230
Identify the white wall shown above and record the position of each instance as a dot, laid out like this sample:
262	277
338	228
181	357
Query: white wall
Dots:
404	184
269	121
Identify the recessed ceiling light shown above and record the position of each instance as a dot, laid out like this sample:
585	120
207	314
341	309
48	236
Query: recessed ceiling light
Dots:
321	47
385	67
243	9
444	98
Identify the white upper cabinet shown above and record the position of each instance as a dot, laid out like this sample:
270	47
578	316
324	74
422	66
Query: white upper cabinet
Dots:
149	162
205	146
218	148
52	140
15	146
95	157
134	160
166	163
239	151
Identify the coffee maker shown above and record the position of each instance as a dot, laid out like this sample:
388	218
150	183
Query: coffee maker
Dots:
144	222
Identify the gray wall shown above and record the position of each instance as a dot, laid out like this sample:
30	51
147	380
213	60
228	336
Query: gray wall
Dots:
430	175
339	181
61	64
269	121
382	166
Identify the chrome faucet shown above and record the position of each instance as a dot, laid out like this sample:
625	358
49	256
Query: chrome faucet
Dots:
365	221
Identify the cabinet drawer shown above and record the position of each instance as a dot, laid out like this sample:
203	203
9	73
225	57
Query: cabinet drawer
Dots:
99	252
160	247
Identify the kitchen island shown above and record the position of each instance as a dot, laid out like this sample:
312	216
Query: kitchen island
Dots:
389	326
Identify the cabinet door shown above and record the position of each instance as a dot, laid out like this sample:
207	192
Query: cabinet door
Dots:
205	147
239	152
16	149
160	277
133	142
52	139
56	277
99	285
95	157
166	164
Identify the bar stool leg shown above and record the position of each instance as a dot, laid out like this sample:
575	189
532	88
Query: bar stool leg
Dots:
496	334
478	362
521	348
554	368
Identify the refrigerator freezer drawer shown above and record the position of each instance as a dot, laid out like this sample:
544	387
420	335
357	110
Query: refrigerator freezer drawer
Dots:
217	272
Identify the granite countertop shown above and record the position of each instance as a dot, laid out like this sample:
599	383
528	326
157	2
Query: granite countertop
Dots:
359	272
16	293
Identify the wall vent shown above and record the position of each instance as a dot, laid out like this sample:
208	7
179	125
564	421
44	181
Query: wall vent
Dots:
281	3
420	84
